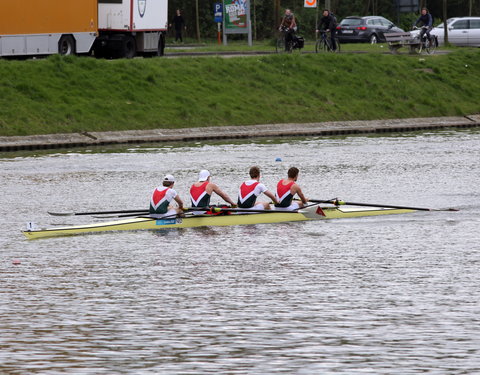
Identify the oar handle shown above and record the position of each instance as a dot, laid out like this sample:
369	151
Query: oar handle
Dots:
228	209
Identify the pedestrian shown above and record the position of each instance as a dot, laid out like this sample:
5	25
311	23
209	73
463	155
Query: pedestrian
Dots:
179	25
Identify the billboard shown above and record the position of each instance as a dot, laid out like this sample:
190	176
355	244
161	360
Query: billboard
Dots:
408	6
236	14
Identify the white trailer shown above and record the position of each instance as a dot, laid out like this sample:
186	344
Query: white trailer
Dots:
129	27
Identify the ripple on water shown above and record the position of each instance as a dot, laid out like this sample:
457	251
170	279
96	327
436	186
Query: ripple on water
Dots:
370	295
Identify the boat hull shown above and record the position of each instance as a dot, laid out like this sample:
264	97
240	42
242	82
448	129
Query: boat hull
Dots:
145	223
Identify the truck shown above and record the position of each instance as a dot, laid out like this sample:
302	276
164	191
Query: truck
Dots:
105	28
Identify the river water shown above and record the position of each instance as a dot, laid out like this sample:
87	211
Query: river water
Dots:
380	295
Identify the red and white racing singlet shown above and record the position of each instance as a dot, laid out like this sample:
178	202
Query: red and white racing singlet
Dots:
246	194
284	196
161	198
199	196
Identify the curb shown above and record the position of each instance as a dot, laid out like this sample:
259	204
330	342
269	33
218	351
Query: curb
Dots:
221	53
171	54
87	139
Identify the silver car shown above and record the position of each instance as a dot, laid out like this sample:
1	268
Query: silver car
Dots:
462	31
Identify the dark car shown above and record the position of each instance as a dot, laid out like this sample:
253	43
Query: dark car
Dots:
369	29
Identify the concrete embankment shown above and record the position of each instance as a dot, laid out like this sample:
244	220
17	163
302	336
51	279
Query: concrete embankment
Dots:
87	139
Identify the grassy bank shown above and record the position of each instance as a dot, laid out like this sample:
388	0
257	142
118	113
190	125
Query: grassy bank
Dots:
71	94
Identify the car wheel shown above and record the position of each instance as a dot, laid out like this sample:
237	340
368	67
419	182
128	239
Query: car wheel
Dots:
373	39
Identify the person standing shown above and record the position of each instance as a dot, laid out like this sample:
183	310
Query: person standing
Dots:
201	191
328	24
287	189
251	189
179	24
288	26
162	197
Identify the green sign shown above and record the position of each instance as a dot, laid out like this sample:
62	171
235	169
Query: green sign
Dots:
235	14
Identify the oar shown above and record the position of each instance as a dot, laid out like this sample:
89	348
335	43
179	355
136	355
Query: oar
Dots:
115	213
190	209
146	212
139	211
130	213
226	209
337	202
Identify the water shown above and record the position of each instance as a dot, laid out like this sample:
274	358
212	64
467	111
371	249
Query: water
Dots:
379	295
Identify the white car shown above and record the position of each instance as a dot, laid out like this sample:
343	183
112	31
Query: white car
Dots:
462	31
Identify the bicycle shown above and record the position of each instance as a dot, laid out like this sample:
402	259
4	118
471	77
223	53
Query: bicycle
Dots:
296	41
425	43
324	43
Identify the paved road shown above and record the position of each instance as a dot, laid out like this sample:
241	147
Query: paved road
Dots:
188	50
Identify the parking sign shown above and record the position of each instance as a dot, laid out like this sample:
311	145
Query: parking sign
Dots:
218	12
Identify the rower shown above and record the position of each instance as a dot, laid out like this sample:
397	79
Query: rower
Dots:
201	192
286	189
162	197
251	189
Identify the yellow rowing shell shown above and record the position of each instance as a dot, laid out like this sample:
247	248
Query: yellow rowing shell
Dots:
145	223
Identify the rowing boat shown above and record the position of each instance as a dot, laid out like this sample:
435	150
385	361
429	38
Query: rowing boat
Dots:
147	223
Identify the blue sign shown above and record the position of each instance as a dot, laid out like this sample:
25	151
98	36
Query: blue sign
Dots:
218	12
168	221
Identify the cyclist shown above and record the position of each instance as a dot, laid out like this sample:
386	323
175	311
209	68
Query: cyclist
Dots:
427	22
288	26
328	23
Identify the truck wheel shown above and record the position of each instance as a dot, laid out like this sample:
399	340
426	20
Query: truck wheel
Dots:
129	47
66	45
161	45
99	49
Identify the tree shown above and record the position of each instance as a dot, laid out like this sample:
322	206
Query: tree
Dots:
445	28
197	21
266	14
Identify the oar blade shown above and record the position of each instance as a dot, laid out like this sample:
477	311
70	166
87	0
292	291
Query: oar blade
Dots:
60	213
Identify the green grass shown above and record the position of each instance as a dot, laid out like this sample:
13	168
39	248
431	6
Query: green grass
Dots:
73	94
